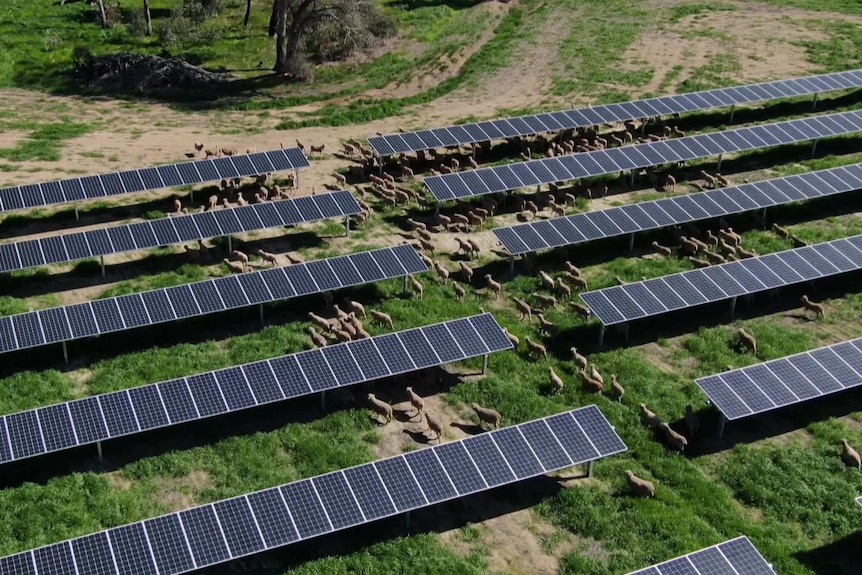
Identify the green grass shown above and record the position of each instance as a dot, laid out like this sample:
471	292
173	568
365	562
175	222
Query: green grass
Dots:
44	142
840	51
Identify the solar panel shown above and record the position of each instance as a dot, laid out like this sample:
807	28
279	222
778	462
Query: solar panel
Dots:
859	500
586	164
151	234
240	387
167	304
217	532
695	287
754	389
621	112
568	230
129	181
735	557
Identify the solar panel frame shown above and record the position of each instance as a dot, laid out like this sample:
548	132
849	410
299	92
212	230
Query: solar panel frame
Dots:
733	557
527	237
783	381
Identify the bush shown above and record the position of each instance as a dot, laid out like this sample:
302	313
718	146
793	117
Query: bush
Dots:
360	26
135	21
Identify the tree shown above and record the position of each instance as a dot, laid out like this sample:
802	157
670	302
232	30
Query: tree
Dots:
247	13
289	20
148	18
103	18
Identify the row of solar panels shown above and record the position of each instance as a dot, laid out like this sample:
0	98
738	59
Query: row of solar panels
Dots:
111	415
690	288
609	113
60	324
735	557
128	181
612	160
171	230
766	386
611	222
218	532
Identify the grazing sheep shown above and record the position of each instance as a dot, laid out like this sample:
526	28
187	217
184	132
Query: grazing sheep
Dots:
698	263
797	241
782	233
414	225
547	281
747	341
663	250
464	246
545	300
514	339
487	415
427	246
638	486
692	421
649	418
523	308
381	317
580	360
850	456
235	267
441	271
590	384
424	234
493	286
547	327
467	272
743	253
380	408
535	347
459	291
433	425
594	373
617	390
688	246
563	289
417	287
714	258
354	306
674	439
316	338
268	257
556	382
321	322
808	305
581	309
474	248
415	401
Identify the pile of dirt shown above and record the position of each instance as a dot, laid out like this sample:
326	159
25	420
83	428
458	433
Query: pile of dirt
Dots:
151	75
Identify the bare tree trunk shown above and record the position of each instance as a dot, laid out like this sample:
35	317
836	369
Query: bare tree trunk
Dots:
247	13
102	16
148	17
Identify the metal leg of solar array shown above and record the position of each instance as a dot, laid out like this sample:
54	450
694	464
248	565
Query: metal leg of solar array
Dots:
718	164
102	263
99	451
260	309
601	334
814	103
732	306
590	469
406	290
511	265
346	226
814	146
484	364
65	353
631	242
721	421
229	246
323	402
77	216
732	108
407	523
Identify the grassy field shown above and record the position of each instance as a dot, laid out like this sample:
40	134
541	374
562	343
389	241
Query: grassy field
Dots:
776	478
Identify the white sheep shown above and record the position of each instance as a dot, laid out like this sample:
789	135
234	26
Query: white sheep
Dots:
535	347
580	360
556	381
487	415
674	439
617	390
415	401
493	286
235	267
460	292
649	418
354	307
381	317
380	407
417	286
638	486
808	305
850	456
747	340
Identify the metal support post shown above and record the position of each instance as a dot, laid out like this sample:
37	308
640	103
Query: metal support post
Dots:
590	469
732	306
229	246
347	226
407	522
260	311
192	196
632	179
813	147
511	265
631	242
601	335
732	109
102	263
405	285
721	421
323	401
77	215
296	180
718	165
380	162
814	103
436	209
65	353
99	451
484	364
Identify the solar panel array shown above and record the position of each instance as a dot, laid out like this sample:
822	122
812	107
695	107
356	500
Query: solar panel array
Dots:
859	500
126	182
171	230
102	316
578	228
108	416
611	160
232	528
757	388
735	557
720	282
594	115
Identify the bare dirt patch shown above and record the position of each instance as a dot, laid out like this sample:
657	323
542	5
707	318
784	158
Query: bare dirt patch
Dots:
178	493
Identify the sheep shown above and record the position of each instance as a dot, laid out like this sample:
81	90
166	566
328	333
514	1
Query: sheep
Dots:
433	425
199	146
743	253
317	339
711	181
532	208
638	486
441	271
782	233
797	241
464	246
300	146
725	248
234	267
268	257
459	291
427	246
524	309
699	263
581	309
557	209
594	373
556	382
692	421
424	234
701	246
487	415
571	268
649	418
591	385
578	282
417	287
714	258
545	300
711	238
674	439
688	246
563	289
321	322
748	341
380	408
341	314
493	286
474	248
663	250
722	180
467	272
617	390
580	360
461	221
547	281
355	307
850	456
535	347
808	305
513	338
415	401
317	149
414	225
730	236
546	326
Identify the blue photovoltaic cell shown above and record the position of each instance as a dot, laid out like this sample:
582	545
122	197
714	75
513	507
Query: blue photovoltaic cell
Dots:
402	487
735	557
92	554
370	492
238	525
430	475
131	550
305	508
338	500
168	545
273	518
204	535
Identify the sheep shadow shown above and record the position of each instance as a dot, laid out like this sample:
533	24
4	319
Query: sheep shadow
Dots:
420	437
841	557
468	428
